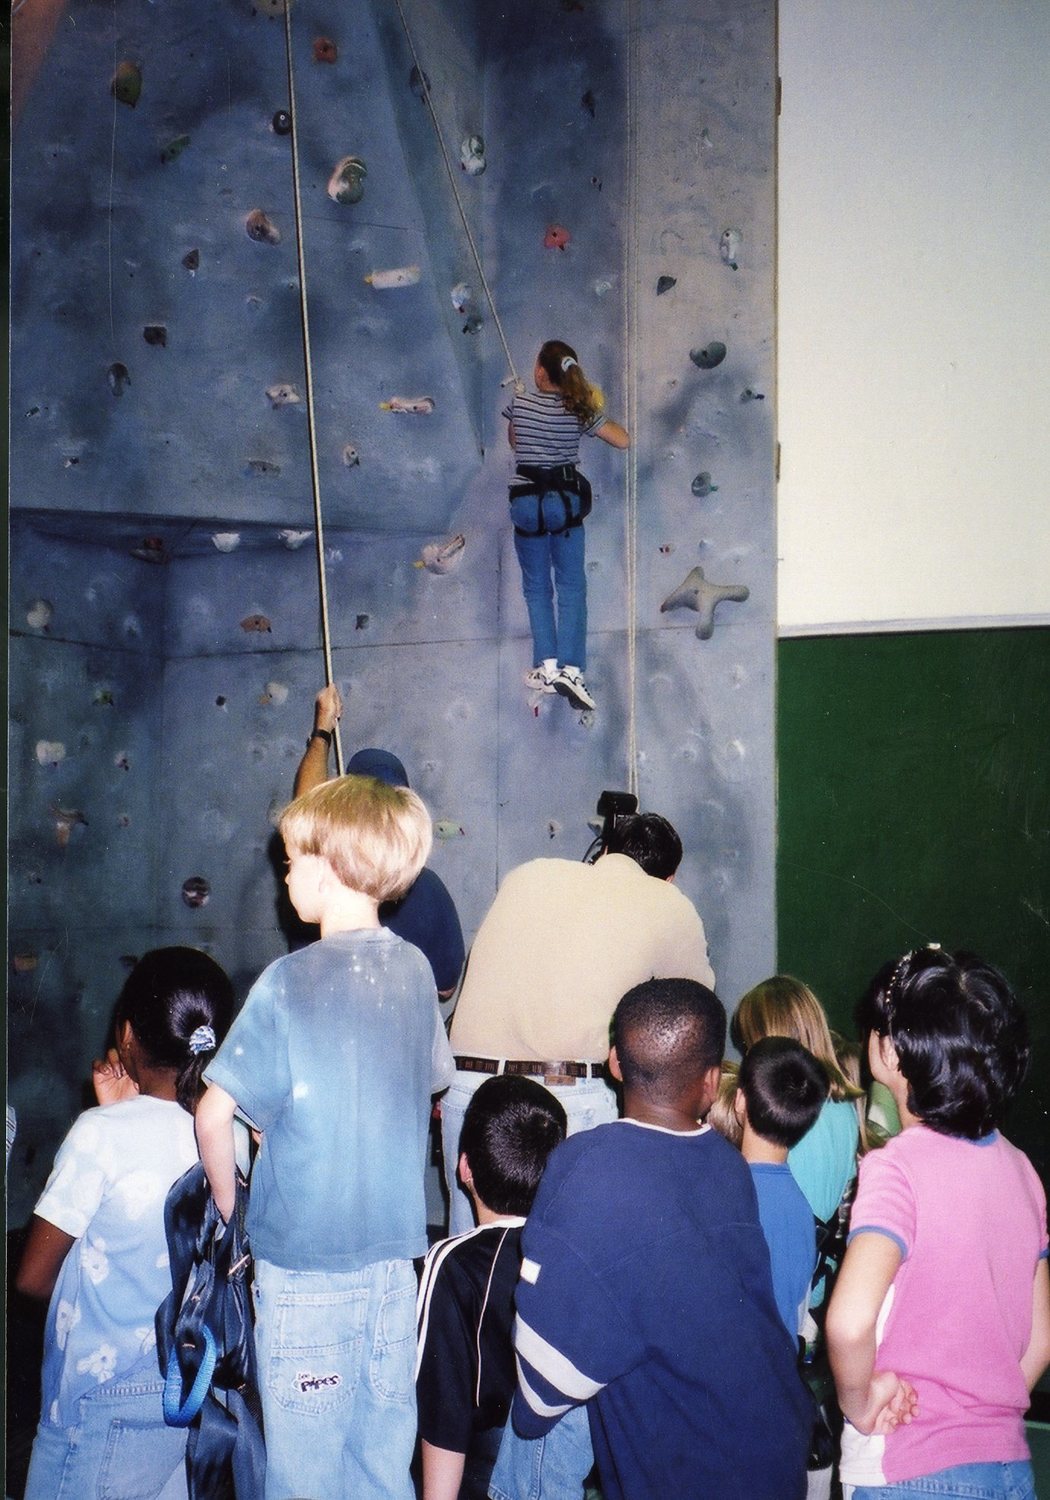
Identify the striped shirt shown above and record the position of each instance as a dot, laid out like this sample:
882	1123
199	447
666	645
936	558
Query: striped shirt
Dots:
545	434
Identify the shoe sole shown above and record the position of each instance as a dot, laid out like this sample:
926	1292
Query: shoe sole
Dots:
570	693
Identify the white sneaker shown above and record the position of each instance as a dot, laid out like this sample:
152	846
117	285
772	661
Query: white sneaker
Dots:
541	679
570	684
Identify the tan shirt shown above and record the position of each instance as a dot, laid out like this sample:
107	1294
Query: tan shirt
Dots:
561	944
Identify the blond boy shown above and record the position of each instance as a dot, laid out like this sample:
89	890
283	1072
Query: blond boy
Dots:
334	1058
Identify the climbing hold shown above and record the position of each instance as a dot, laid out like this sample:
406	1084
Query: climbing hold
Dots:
602	287
270	7
419	83
192	259
472	155
362	622
444	828
325	50
40	614
709	356
399	276
442	557
258	624
226	541
283	394
553	828
281	124
122	760
588	103
50	752
261	466
666	548
702	486
24	963
696	593
220	701
156	335
474	323
462	296
261	228
347	182
174	149
413	405
152	550
729	247
596	182
293	540
119	378
127	83
665	283
556	238
705	139
195	891
66	819
749	394
351	457
275	692
103	697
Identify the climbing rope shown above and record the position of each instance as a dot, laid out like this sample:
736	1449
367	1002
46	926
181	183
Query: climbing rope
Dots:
630	333
425	86
326	636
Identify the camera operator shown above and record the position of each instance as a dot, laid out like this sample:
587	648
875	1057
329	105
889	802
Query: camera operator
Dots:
559	947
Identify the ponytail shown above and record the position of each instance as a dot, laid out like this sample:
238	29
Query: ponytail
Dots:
559	362
179	1003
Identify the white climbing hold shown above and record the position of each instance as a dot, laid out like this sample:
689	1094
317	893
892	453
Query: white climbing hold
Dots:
413	405
442	557
729	247
226	541
275	692
462	296
472	155
50	752
40	614
696	593
399	276
351	457
293	540
283	394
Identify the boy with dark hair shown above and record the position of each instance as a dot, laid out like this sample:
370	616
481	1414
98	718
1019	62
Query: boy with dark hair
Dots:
334	1057
465	1363
781	1088
645	1286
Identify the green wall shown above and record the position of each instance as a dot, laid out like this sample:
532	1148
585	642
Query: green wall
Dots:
914	806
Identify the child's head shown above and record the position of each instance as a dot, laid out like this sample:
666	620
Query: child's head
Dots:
179	1004
958	1034
783	1088
782	1006
668	1034
722	1116
510	1127
375	836
558	362
650	841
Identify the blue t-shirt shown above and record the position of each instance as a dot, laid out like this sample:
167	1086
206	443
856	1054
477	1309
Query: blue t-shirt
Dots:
787	1223
426	916
334	1057
107	1190
645	1289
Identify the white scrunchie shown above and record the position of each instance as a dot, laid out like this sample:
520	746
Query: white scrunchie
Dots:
567	364
202	1040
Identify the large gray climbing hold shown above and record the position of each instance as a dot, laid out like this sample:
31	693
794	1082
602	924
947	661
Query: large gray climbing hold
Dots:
696	593
709	356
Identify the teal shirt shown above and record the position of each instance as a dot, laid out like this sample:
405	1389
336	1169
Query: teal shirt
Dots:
825	1159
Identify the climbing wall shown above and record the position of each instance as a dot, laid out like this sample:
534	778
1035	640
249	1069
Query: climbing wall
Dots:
617	182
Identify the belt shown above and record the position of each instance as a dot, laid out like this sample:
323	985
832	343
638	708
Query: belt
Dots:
550	1072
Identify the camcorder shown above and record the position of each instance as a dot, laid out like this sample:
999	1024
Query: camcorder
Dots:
612	808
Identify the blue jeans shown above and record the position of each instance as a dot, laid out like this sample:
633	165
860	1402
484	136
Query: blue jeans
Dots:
565	641
552	1467
587	1102
336	1375
1012	1481
119	1449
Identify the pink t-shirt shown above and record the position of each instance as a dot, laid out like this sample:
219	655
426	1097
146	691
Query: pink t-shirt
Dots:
969	1218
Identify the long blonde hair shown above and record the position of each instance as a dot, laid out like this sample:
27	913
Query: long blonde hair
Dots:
782	1006
560	365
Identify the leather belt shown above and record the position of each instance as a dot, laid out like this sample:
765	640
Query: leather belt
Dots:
550	1072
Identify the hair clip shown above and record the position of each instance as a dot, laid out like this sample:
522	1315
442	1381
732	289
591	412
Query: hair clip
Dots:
567	364
202	1040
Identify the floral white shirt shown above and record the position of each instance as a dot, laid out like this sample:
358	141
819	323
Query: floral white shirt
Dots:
107	1189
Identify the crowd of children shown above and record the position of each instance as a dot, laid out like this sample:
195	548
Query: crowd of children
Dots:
649	1281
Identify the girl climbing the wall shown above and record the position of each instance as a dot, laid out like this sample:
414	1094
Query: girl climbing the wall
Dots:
97	1246
549	500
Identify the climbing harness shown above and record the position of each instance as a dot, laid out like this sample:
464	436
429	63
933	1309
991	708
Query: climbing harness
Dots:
528	491
326	635
425	89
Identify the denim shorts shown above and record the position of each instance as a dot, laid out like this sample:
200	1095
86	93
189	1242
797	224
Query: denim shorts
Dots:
336	1375
1009	1481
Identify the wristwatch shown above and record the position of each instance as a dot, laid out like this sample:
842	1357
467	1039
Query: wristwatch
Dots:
320	734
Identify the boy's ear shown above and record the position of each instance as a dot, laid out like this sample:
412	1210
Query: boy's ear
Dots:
711	1082
614	1065
464	1171
740	1105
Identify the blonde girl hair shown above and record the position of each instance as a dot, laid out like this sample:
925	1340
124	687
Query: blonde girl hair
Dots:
783	1006
560	365
722	1115
375	836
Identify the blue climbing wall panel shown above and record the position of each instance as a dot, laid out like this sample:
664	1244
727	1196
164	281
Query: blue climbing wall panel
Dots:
164	607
